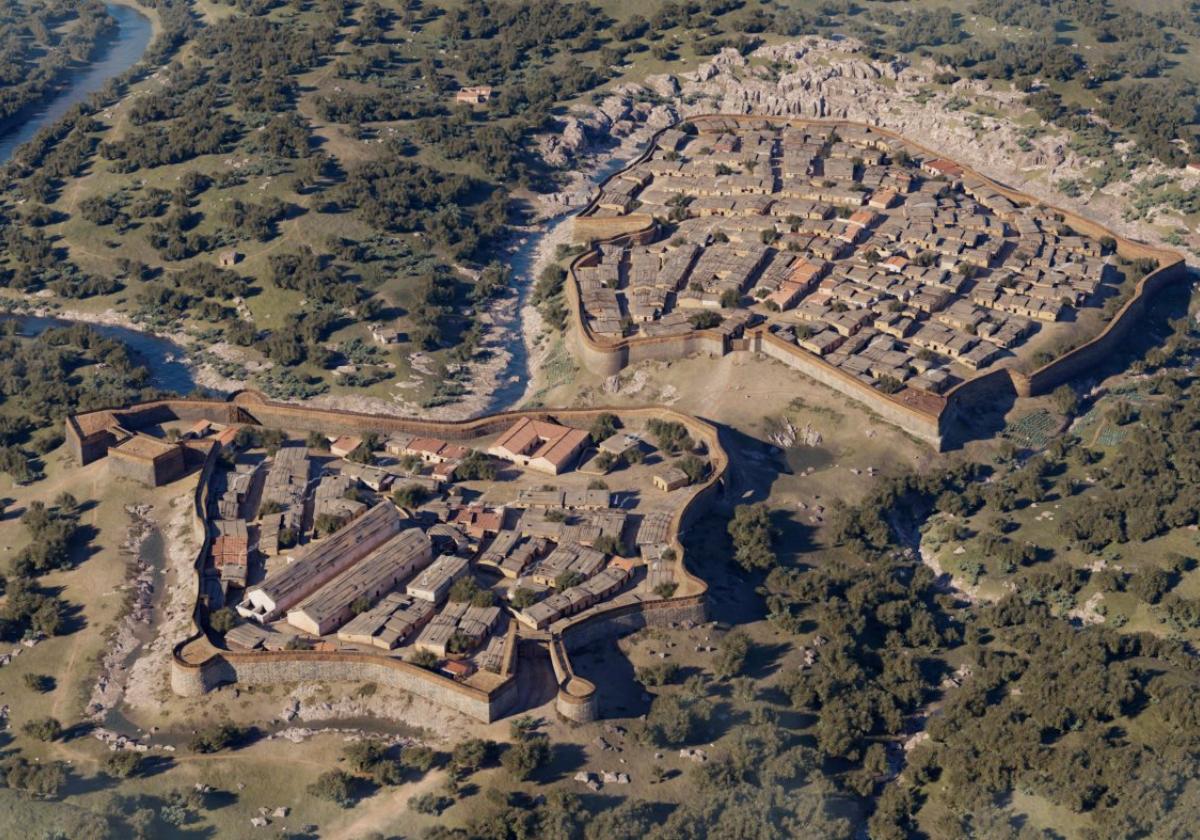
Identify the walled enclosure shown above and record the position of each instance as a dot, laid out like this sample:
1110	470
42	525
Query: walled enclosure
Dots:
199	664
927	416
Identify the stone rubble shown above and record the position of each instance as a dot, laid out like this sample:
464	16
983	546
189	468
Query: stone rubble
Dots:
110	682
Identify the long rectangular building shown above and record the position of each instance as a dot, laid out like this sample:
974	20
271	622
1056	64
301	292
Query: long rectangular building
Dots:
318	563
331	606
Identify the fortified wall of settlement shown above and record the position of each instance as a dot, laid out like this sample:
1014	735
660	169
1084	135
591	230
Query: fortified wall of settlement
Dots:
926	415
201	664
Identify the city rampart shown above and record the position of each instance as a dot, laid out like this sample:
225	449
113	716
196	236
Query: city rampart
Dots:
929	421
919	421
200	664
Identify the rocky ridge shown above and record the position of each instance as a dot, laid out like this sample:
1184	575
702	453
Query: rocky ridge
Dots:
975	122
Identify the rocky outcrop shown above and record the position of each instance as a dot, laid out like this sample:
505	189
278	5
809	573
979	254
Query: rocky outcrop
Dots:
818	78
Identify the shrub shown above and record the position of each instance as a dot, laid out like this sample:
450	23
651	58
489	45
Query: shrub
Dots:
470	755
604	426
753	536
223	620
522	598
731	656
41	683
35	779
334	785
410	496
674	720
661	673
44	729
122	764
527	755
430	803
424	659
216	738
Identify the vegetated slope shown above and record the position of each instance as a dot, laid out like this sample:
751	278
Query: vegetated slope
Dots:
40	42
324	144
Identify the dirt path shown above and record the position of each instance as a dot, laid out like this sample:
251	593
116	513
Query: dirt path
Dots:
381	811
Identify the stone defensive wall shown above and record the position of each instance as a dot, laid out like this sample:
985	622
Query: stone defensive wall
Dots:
926	416
200	664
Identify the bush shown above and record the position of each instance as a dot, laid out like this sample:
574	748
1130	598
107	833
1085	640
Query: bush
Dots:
223	620
123	764
335	786
1066	401
527	755
731	656
418	758
604	426
693	467
753	536
476	467
662	673
666	589
41	683
522	598
470	755
671	436
430	803
674	721
44	729
35	779
217	738
424	659
410	496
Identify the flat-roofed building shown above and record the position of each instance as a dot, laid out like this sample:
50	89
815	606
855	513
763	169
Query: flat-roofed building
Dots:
670	478
434	583
541	445
147	459
458	628
318	563
395	619
567	557
396	560
436	450
619	443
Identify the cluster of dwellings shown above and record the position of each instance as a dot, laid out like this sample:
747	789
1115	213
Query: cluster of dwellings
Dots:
354	569
892	266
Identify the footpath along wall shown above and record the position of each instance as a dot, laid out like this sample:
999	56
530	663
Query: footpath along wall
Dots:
927	416
200	663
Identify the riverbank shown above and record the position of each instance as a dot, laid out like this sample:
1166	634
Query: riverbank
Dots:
114	54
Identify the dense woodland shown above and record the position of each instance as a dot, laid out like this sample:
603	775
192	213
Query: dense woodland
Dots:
40	42
1012	696
439	177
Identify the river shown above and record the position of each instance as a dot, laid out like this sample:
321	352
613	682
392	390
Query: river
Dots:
119	50
163	357
513	382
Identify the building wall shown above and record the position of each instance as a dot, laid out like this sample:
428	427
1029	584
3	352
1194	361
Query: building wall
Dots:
621	621
274	668
1087	356
134	469
921	424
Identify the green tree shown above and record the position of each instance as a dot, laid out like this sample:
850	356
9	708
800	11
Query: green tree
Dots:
44	729
753	537
335	786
